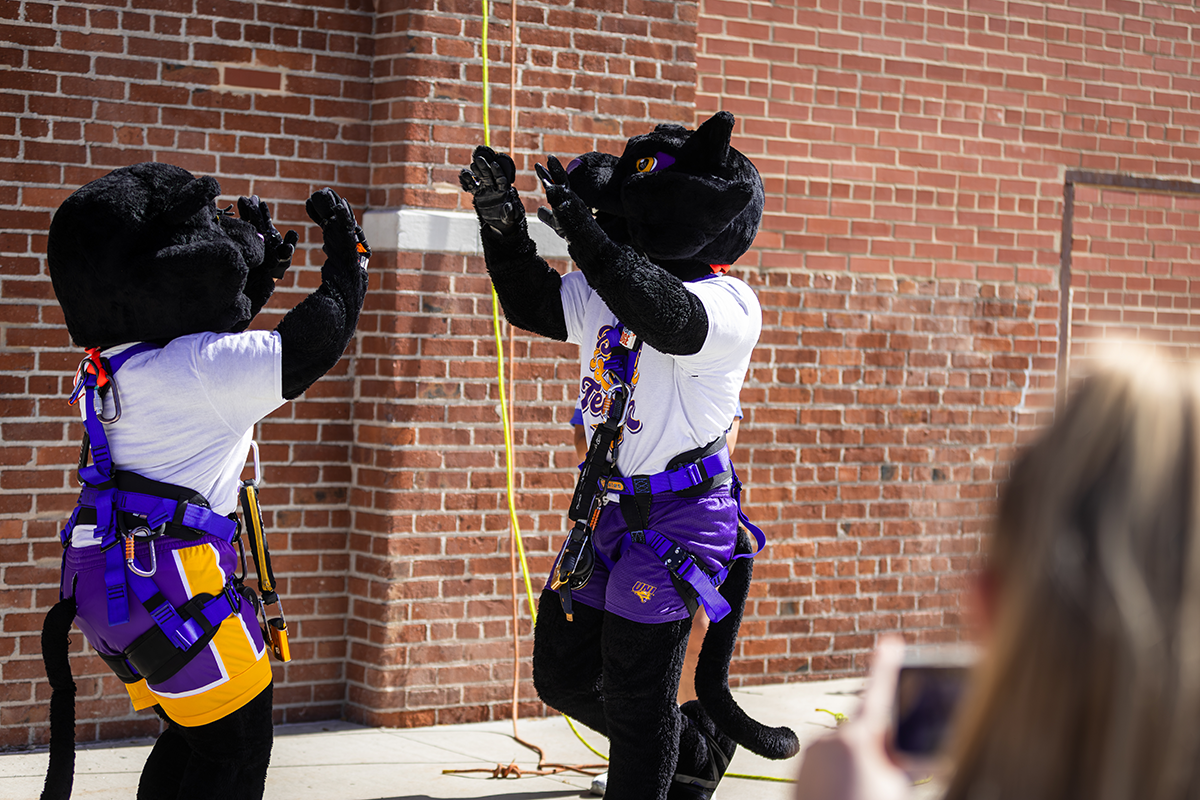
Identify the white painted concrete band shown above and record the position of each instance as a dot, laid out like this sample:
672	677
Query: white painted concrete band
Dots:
425	230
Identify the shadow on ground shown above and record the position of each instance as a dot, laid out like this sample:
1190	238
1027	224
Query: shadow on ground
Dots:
525	796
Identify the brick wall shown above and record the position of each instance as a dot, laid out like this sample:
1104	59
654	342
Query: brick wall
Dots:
590	74
914	156
925	143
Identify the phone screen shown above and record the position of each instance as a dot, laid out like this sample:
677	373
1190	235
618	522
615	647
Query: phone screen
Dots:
926	697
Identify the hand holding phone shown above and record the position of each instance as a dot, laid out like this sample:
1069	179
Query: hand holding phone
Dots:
853	763
928	689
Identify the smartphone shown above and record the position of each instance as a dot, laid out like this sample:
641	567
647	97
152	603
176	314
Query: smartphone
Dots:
928	691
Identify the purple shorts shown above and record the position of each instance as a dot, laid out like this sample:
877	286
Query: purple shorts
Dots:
639	586
211	561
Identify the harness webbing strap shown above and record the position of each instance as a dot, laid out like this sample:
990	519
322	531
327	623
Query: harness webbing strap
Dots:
716	466
95	372
160	510
156	655
681	563
114	586
97	477
202	618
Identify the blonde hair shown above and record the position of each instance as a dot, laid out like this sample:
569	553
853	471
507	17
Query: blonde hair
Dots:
1091	688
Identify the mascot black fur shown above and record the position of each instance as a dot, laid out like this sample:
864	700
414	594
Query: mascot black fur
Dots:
656	511
159	286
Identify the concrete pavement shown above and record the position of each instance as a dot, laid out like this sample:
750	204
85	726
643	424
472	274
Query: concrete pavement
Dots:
350	762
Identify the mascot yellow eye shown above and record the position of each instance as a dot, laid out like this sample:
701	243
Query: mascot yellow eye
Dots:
646	164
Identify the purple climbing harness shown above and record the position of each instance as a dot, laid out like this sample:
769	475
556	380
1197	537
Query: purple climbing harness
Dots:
677	559
108	498
596	481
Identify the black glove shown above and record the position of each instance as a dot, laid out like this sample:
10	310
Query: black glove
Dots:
489	180
340	231
278	250
555	182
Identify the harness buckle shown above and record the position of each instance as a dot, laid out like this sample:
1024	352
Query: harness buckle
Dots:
277	634
685	477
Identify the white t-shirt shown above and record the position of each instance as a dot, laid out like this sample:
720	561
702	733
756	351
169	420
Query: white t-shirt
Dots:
188	411
679	402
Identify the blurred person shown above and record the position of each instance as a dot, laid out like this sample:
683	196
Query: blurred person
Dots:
1090	686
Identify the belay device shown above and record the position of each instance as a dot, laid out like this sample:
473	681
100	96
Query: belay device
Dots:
274	628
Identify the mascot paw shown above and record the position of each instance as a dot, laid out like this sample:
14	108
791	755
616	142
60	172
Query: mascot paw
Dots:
344	238
569	214
547	217
278	249
699	772
489	181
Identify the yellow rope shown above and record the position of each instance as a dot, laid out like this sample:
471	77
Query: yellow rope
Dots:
505	417
507	423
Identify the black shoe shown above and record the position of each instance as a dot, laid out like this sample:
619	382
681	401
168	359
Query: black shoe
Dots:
720	752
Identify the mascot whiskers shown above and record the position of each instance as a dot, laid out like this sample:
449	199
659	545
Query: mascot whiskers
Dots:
665	340
159	286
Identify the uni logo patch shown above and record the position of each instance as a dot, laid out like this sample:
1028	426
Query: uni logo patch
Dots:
643	590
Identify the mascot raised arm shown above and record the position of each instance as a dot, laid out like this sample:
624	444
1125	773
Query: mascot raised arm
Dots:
159	286
665	338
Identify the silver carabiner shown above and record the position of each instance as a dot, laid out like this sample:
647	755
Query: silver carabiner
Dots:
98	403
129	557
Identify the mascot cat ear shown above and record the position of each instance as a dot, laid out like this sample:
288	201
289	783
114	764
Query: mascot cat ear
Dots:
709	145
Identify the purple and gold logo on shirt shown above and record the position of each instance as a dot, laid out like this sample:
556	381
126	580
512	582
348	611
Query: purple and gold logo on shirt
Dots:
594	389
643	590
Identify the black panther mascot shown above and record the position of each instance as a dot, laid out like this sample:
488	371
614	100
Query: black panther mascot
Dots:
665	339
159	286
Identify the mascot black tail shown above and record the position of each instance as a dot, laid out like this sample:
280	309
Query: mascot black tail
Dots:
712	672
55	641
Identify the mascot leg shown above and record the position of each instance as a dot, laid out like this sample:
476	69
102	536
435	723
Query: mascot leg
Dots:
225	760
704	755
162	776
642	663
567	661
